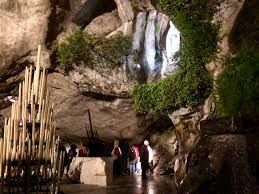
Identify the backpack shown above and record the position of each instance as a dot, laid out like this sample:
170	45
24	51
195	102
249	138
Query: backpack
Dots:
117	152
132	155
70	154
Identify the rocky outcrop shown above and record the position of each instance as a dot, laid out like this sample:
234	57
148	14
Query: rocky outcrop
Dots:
165	148
114	83
104	92
25	27
245	32
92	171
91	9
125	10
109	22
113	117
219	165
187	120
226	16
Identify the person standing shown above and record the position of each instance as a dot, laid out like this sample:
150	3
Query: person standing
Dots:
132	159
138	165
71	154
116	153
144	156
124	146
150	158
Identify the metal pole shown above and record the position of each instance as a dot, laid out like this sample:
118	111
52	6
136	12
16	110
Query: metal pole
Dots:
90	121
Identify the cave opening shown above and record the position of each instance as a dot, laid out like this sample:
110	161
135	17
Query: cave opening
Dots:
91	9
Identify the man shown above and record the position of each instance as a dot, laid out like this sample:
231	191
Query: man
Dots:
144	156
150	158
132	159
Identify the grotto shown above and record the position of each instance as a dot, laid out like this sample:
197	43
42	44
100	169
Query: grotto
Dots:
94	74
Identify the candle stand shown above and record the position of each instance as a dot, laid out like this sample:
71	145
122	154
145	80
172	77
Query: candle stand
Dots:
31	160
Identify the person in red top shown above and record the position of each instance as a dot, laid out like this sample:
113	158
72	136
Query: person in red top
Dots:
83	150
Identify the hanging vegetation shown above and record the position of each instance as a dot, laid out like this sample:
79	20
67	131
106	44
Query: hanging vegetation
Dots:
192	84
237	88
92	51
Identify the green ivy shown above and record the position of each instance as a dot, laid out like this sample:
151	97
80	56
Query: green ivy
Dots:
93	51
184	89
192	83
237	88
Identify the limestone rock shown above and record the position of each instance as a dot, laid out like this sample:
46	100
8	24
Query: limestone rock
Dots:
113	117
226	16
108	22
114	83
92	171
126	29
164	145
97	171
219	164
75	169
125	10
25	26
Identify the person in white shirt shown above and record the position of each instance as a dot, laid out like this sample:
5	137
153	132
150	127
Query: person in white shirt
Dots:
150	158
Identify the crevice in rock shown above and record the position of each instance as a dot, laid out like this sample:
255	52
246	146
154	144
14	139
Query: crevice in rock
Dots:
99	96
160	124
245	33
57	15
10	87
92	9
15	68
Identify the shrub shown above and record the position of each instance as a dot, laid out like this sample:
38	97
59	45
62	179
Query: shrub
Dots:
92	51
183	89
237	88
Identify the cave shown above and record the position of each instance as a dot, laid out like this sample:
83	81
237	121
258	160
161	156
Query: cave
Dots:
94	111
91	9
245	37
244	34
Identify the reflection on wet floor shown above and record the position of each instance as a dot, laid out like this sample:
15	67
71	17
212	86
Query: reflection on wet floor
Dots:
126	185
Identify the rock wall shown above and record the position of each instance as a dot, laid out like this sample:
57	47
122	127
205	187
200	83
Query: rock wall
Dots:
105	92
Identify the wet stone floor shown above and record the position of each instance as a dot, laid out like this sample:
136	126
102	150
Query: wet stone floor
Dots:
126	185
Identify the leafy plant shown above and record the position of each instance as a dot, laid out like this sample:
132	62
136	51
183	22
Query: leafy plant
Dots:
237	88
92	51
183	89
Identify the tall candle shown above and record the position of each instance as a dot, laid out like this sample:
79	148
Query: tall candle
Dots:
1	157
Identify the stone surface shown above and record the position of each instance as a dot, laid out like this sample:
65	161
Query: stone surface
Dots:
92	170
125	28
219	164
113	117
125	10
126	185
25	26
164	145
226	16
245	31
114	83
87	12
97	171
109	22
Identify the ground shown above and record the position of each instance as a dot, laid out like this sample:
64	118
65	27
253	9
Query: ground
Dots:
126	185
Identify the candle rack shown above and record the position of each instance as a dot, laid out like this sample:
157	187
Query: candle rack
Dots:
30	157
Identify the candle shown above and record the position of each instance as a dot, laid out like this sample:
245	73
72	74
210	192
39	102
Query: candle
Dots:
1	157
